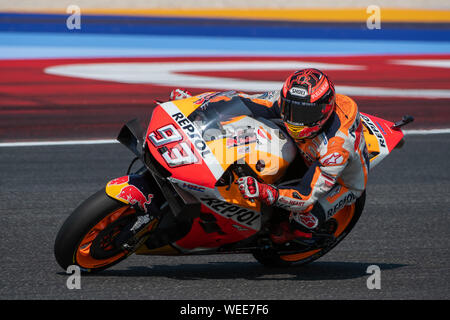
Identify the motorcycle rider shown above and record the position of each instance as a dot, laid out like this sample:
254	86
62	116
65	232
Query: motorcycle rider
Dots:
327	130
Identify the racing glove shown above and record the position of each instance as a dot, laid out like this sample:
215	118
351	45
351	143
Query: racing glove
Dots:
179	93
250	188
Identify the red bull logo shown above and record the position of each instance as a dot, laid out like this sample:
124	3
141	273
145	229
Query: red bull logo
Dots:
120	180
134	196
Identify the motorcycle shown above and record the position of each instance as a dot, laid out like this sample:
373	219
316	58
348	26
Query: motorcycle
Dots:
183	199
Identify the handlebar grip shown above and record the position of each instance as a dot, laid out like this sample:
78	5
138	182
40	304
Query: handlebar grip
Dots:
240	173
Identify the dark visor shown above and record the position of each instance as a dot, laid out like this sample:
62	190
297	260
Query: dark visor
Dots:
301	113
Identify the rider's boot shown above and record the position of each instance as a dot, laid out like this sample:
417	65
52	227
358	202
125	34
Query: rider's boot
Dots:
285	232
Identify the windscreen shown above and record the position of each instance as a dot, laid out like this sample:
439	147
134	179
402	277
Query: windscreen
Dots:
211	116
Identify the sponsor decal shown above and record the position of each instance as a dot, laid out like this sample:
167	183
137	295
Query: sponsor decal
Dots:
246	217
307	219
299	92
316	95
324	139
381	127
204	99
287	203
334	192
141	220
329	181
242	137
134	196
192	187
118	181
328	177
187	126
165	135
350	198
267	95
179	155
263	134
195	138
332	159
243	150
375	131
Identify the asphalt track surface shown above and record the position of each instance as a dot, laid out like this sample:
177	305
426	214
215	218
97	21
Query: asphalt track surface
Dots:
404	230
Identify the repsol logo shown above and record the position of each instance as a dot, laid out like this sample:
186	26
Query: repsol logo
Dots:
338	206
241	215
192	133
375	131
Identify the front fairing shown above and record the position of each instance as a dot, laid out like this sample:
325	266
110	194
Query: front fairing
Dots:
381	137
177	144
199	138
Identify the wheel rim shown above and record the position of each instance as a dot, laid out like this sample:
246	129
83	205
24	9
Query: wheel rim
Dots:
343	218
83	256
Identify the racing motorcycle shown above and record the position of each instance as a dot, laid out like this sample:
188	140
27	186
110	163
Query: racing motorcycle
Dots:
183	200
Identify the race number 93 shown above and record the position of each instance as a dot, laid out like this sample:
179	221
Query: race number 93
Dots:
180	154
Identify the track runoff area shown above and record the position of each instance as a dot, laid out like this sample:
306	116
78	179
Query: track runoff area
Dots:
64	83
61	86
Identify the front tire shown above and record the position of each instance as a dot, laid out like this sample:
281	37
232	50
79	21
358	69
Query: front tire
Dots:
86	237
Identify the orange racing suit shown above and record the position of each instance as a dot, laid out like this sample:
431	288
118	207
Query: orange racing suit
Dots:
337	159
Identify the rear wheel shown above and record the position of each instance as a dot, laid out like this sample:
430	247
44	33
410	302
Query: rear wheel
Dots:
87	236
346	219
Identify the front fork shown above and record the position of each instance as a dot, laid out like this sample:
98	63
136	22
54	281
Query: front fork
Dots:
135	191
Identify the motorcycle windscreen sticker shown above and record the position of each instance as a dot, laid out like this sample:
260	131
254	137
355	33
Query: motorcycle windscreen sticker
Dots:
194	135
384	151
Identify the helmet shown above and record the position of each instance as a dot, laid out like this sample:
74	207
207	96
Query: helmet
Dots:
307	101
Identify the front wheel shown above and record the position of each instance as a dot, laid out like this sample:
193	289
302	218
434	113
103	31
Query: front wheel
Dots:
86	238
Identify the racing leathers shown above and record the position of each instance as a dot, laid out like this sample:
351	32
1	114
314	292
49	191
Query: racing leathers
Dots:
337	161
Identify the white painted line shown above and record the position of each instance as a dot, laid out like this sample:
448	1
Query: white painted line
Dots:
110	141
434	63
424	132
55	143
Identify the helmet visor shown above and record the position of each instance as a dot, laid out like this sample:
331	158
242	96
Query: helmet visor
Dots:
301	113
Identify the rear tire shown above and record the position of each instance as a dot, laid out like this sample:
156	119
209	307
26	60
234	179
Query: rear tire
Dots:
83	231
271	258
